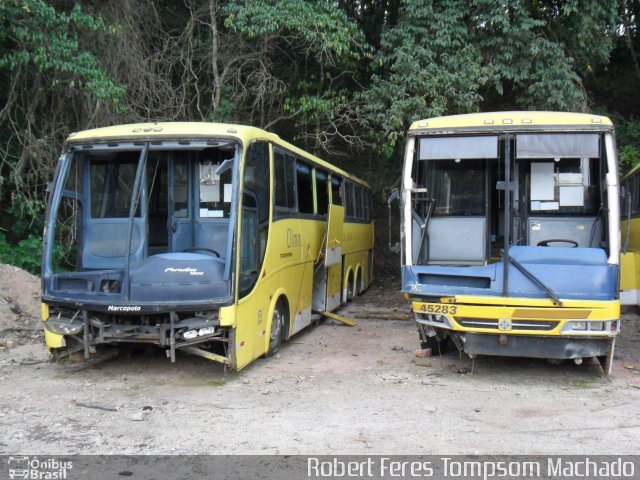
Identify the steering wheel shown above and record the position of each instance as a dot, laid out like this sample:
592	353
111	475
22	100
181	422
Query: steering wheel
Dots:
210	250
545	243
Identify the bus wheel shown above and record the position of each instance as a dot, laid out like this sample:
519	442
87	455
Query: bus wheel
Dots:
276	333
359	288
350	288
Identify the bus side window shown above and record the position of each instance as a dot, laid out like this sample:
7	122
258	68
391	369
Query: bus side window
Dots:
350	203
305	187
367	205
359	213
284	181
322	192
256	177
255	215
249	259
336	190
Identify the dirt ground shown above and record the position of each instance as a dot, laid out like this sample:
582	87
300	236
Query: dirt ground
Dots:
331	390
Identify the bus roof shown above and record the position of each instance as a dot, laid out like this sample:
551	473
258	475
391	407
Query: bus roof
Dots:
512	120
194	130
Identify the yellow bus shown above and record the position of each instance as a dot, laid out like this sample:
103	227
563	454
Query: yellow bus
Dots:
511	234
630	233
211	239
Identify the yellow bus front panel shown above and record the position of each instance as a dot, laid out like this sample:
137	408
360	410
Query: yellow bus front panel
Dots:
513	316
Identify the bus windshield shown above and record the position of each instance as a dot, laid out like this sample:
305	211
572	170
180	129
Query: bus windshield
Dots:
458	187
118	206
460	183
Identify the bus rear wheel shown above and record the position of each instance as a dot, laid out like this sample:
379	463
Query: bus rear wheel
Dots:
359	288
276	332
350	288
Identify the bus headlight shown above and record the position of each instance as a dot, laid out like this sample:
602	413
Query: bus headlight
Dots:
190	334
206	331
585	328
197	332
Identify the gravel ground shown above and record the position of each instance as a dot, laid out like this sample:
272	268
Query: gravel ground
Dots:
331	390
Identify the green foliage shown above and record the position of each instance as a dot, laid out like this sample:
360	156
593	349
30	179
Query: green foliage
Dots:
456	57
27	254
429	67
628	137
40	36
342	77
318	25
629	157
227	108
526	58
27	214
48	80
317	54
586	29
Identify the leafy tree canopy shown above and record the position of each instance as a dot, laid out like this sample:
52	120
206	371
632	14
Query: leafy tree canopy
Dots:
342	78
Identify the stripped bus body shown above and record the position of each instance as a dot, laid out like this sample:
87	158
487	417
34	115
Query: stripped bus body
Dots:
216	240
510	234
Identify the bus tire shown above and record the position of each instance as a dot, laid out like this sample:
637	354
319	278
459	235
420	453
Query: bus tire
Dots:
276	332
359	289
350	288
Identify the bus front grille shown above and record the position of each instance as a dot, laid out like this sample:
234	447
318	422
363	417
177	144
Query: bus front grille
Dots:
493	324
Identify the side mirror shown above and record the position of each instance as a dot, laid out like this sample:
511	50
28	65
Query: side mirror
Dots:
394	246
224	166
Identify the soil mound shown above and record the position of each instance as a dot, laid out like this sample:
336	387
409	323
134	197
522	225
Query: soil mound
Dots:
19	307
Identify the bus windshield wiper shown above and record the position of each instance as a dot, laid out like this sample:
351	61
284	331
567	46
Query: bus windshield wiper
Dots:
535	280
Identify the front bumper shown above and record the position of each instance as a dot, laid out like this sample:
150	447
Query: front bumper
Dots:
536	347
513	316
68	332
